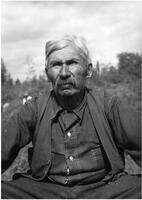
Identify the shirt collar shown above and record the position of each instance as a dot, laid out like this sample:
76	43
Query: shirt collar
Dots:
56	107
80	109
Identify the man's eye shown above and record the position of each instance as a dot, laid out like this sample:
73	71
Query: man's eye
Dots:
72	62
55	64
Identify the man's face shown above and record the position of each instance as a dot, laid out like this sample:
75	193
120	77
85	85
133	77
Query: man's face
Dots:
66	71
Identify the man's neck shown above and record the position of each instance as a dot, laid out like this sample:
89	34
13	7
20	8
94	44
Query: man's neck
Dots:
71	102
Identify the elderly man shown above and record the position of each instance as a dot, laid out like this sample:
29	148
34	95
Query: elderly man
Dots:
79	135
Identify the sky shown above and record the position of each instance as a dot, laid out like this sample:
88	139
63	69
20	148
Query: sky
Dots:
108	27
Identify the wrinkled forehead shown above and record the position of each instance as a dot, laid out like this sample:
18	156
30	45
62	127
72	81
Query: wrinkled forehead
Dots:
65	54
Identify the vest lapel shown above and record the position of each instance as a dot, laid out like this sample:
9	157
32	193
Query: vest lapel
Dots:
103	131
42	141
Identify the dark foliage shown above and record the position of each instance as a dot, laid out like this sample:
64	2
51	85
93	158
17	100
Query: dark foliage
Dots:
130	63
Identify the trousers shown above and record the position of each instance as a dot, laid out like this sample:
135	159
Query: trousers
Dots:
125	187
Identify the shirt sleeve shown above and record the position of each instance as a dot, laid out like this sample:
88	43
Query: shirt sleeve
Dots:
126	127
17	132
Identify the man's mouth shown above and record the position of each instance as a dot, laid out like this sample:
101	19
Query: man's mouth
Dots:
65	86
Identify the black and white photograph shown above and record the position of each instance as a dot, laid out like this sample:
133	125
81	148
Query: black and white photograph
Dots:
71	99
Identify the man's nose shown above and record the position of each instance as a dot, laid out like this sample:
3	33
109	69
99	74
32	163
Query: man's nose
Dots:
64	73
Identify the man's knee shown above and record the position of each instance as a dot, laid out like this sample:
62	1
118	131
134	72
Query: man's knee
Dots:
4	190
128	186
13	190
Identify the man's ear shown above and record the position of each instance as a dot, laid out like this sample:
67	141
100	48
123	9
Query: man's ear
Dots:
89	70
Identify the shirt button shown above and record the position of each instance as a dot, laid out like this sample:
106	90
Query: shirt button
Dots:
67	181
69	134
68	171
71	158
